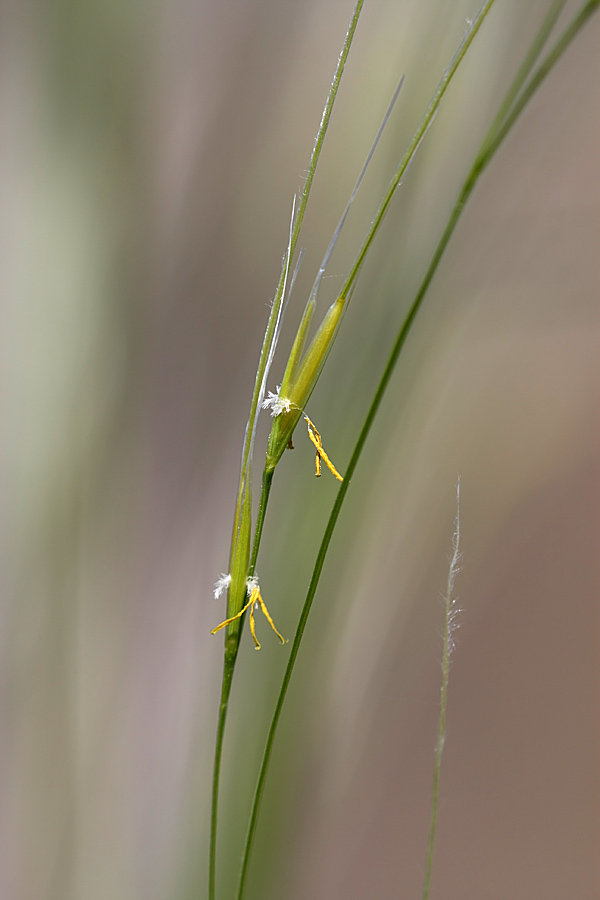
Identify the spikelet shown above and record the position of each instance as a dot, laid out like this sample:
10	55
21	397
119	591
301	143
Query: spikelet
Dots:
301	376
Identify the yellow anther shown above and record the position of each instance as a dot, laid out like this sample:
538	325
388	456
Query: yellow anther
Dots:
267	616
233	618
321	455
255	597
253	623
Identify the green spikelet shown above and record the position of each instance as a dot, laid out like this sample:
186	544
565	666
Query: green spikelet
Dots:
301	377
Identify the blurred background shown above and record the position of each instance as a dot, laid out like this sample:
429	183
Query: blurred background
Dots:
150	156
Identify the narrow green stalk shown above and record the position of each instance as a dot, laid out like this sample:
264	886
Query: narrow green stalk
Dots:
231	646
447	648
228	668
267	481
482	160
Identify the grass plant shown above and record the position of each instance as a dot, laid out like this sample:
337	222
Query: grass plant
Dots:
302	374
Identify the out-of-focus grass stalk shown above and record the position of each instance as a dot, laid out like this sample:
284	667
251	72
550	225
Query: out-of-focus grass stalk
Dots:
523	72
243	511
449	615
568	35
483	158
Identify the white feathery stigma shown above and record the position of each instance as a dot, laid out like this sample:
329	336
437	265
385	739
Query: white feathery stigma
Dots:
221	585
276	404
252	584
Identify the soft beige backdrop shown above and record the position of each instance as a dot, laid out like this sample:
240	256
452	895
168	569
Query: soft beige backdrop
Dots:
151	152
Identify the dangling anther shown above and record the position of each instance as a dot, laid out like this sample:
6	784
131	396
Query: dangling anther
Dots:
255	600
321	455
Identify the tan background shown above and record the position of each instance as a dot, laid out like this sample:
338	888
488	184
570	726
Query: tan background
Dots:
151	153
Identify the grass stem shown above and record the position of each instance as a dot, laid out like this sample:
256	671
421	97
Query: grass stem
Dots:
228	669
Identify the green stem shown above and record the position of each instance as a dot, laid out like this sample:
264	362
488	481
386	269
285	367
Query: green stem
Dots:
228	669
267	481
480	163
